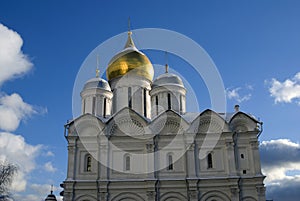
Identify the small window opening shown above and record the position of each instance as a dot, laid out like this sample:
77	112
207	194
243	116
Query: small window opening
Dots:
104	107
88	166
170	162
209	161
242	155
129	98
244	172
156	104
127	162
169	101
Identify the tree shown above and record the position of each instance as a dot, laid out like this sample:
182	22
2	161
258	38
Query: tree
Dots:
7	172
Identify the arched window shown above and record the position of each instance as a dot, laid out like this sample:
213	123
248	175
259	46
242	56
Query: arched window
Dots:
156	104
127	162
170	161
104	107
88	163
180	104
169	101
209	161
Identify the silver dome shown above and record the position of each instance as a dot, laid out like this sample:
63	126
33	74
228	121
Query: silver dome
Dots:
97	83
168	79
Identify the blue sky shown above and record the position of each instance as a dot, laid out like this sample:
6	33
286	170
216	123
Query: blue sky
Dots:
254	44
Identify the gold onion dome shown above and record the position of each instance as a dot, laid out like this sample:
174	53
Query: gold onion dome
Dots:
130	60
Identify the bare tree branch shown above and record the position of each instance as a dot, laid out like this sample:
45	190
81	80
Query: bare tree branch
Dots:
7	172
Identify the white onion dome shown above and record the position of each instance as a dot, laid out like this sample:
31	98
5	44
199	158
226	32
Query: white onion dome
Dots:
97	83
168	79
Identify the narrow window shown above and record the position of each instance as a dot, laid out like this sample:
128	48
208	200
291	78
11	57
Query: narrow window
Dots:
129	98
145	102
156	104
209	161
242	155
169	101
180	104
94	105
127	162
170	162
104	107
244	172
88	163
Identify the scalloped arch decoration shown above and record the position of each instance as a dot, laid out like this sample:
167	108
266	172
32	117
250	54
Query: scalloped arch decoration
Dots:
127	197
209	125
214	196
248	198
86	198
171	125
128	126
173	196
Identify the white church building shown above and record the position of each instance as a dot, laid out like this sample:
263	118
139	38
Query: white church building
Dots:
134	141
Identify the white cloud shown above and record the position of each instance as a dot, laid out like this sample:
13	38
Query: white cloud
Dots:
49	167
287	91
39	192
12	110
280	158
49	153
237	95
13	62
14	149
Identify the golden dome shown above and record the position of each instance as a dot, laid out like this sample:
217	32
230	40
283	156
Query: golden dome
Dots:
130	60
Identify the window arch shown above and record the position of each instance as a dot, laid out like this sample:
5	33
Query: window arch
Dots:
127	162
170	161
88	163
209	161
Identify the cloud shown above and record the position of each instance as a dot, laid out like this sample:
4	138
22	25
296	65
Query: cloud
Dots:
13	109
287	91
235	94
14	149
49	153
13	63
281	164
49	167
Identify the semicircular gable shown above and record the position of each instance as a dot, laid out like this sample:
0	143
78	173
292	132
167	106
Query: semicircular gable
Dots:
242	122
85	198
214	196
127	121
172	196
127	197
209	122
169	122
249	198
87	126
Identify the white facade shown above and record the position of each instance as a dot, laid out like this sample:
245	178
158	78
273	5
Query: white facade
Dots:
147	147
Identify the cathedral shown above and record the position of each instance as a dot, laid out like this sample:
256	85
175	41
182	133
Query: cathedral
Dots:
134	141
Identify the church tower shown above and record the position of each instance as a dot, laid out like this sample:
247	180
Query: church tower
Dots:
130	75
96	97
168	93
